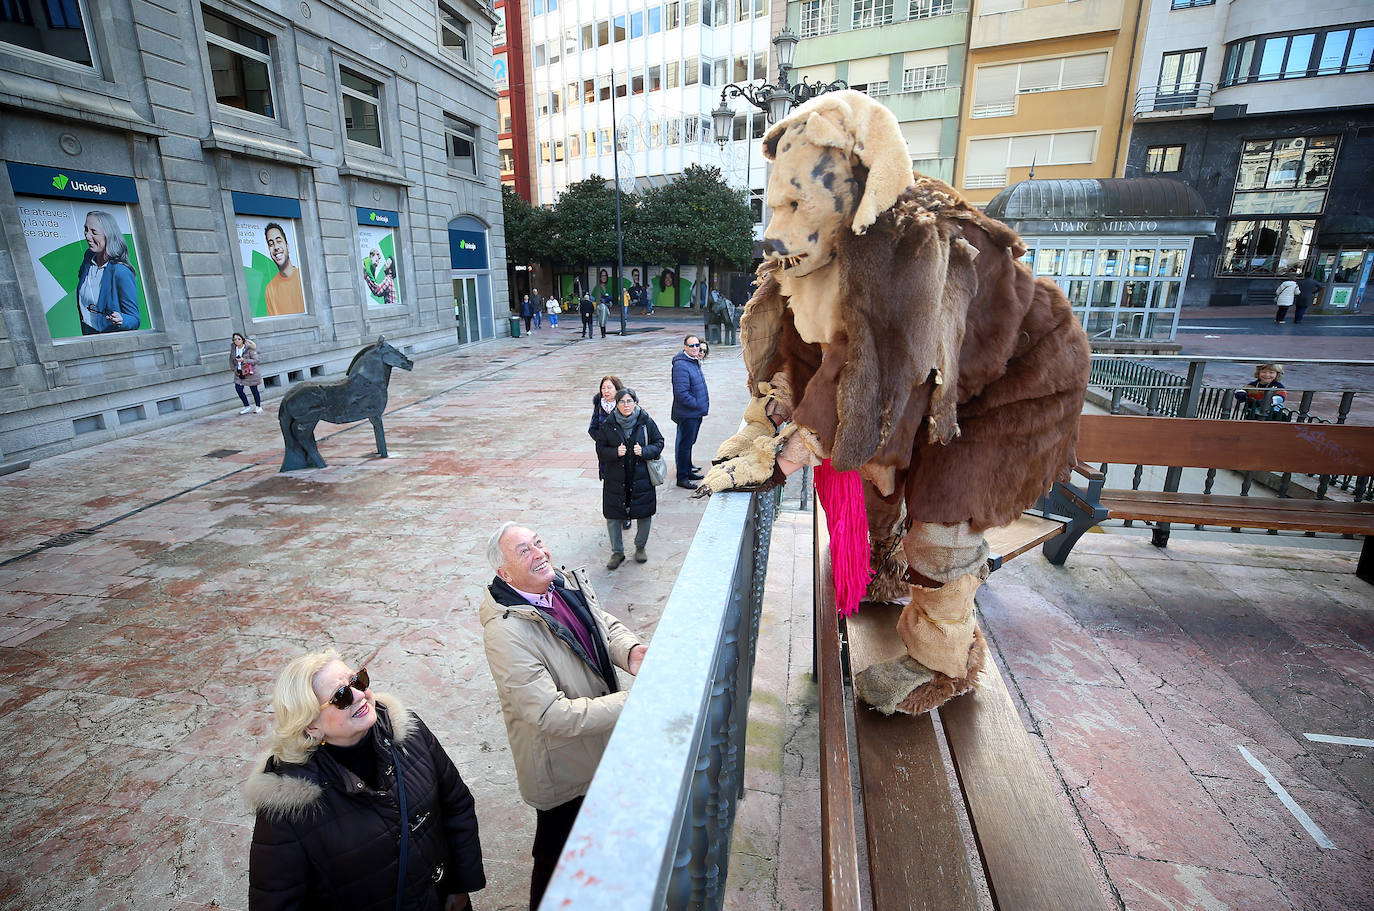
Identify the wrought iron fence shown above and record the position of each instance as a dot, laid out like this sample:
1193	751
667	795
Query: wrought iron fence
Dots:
654	830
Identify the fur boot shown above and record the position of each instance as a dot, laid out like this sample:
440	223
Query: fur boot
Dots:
904	685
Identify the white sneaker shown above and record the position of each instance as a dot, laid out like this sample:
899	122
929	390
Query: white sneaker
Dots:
257	409
245	409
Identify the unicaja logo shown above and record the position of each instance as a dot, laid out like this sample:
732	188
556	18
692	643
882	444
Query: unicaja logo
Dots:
372	215
60	181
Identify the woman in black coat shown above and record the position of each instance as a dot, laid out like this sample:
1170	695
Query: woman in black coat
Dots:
626	442
355	798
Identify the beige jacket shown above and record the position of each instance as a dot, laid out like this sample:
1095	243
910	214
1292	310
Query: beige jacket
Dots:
558	709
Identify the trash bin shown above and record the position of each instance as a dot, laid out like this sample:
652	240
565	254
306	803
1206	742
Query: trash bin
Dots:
515	327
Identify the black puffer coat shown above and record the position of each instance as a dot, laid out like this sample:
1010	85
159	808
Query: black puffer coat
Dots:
626	491
324	839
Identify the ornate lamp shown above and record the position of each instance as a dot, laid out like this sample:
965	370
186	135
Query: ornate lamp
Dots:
775	100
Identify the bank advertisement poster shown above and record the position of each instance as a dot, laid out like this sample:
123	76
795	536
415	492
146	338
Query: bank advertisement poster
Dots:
378	260
267	249
86	261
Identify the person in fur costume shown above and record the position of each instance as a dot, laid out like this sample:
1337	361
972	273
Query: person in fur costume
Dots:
894	336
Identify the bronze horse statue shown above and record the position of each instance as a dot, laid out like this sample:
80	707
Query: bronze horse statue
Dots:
720	312
360	394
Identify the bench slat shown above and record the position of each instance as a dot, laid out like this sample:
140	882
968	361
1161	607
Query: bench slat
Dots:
1241	512
1008	541
1236	445
917	856
839	833
1030	851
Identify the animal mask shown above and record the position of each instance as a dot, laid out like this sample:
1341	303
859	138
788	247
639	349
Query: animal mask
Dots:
867	153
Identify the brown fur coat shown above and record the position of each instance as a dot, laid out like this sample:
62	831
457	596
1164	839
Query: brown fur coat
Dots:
959	377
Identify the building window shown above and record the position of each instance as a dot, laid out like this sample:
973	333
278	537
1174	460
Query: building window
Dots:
996	87
453	31
875	89
928	9
987	160
240	64
756	205
361	103
61	34
819	17
1178	81
503	113
1188	4
925	78
655	20
636	24
1322	52
507	162
868	13
1270	246
461	139
1284	176
1163	159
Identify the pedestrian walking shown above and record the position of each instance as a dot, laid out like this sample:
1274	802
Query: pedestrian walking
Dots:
537	305
691	402
553	654
1283	297
587	310
627	441
526	311
347	770
603	313
243	360
1309	292
553	307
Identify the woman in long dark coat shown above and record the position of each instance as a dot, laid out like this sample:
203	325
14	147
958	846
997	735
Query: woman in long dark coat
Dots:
626	442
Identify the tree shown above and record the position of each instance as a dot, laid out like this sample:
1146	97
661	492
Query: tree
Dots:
698	219
528	228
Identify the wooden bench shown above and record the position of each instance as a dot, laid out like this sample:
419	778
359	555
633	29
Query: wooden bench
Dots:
1021	840
1241	446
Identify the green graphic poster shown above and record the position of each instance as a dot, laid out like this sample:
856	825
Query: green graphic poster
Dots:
69	240
267	251
380	266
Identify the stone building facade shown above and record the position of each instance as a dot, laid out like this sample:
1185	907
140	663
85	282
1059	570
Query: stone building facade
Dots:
311	174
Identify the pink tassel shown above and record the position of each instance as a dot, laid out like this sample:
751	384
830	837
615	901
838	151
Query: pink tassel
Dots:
841	494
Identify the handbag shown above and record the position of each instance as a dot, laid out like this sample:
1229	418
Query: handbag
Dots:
247	369
658	472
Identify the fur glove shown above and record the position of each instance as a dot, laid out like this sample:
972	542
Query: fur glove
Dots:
755	468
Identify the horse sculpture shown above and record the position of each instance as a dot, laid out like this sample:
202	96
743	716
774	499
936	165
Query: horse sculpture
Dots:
720	312
360	394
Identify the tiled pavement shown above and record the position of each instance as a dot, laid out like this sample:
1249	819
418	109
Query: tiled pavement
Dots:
136	664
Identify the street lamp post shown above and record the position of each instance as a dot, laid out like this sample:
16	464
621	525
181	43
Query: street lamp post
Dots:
775	100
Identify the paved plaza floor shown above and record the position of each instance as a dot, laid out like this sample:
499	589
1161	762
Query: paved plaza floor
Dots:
136	662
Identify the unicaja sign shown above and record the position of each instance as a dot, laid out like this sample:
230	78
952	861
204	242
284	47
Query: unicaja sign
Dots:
62	182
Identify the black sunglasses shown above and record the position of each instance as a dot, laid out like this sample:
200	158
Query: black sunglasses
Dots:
694	344
343	696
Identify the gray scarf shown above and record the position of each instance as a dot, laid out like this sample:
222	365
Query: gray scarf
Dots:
626	422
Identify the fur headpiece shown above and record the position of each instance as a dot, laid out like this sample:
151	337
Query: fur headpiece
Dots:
864	130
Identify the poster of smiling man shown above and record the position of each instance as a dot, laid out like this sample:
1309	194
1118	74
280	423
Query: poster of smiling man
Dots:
81	243
267	235
380	265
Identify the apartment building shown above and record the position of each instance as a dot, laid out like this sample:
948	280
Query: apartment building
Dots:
1270	117
313	175
909	54
1047	86
509	57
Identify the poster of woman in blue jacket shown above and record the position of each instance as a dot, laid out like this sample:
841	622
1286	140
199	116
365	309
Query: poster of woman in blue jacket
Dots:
91	285
106	292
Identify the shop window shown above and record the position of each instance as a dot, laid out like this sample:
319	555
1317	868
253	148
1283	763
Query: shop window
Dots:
1270	246
453	31
60	32
361	106
1163	159
240	64
461	138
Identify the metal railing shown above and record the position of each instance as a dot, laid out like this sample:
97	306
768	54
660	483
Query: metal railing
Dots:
1182	97
654	830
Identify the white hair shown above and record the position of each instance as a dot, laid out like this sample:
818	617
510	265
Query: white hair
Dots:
494	555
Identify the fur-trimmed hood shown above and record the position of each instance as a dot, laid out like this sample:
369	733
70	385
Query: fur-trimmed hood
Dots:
283	790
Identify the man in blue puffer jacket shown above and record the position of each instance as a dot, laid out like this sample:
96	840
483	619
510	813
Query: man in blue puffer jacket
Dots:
691	401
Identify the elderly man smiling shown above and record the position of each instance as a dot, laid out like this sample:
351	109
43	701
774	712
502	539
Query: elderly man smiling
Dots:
553	654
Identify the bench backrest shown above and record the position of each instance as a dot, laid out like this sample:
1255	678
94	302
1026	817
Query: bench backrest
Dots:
1238	445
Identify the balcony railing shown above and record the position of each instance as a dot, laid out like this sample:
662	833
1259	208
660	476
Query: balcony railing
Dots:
654	830
1182	97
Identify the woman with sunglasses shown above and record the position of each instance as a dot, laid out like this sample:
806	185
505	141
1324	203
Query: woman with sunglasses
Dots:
358	806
